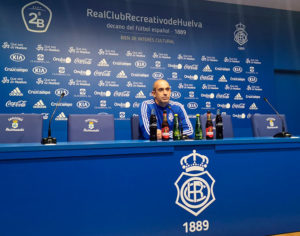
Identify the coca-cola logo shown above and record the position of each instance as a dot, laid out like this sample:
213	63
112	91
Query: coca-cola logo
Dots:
20	103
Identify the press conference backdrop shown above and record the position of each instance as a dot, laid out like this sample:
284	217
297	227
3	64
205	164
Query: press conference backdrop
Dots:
105	57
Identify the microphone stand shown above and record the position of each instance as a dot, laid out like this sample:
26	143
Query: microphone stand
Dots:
50	140
283	133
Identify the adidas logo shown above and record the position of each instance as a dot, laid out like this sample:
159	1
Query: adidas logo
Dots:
122	75
207	69
39	104
238	97
140	94
61	116
16	92
222	79
103	63
253	107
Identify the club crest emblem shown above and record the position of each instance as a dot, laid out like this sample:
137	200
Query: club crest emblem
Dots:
91	125
195	185
36	16
240	35
15	124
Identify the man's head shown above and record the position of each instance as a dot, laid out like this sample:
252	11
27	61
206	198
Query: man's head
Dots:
161	92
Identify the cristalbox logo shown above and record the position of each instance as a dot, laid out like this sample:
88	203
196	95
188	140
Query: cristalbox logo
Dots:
36	16
194	186
240	35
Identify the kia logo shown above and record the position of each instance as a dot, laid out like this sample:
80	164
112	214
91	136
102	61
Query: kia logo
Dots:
39	70
252	79
175	94
140	64
83	104
157	75
59	91
17	57
237	69
192	105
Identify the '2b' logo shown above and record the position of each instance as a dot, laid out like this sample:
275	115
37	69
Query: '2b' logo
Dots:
37	17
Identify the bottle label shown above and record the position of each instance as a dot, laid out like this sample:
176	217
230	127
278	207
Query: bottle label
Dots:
209	132
165	133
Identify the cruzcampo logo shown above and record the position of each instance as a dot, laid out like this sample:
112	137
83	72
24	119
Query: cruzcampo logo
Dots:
36	16
194	185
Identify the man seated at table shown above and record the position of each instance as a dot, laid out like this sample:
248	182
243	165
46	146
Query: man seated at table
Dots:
161	93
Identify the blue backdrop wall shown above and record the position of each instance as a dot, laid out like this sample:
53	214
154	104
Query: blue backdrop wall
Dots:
105	57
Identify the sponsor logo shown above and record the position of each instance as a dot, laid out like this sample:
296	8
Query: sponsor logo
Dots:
210	86
121	63
39	105
223	96
105	73
222	69
253	107
39	92
252	79
13	80
84	61
192	105
61	117
20	103
175	66
251	70
140	94
15	69
158	75
253	88
46	81
252	61
175	94
78	82
136	105
62	104
237	79
58	92
47	48
224	106
77	50
131	84
238	106
39	70
103	63
186	86
140	64
237	69
66	60
185	57
238	97
13	46
83	104
239	116
83	72
252	96
191	67
222	79
142	75
122	104
231	60
17	57
206	77
107	52
122	75
122	115
240	34
135	54
16	93
232	87
209	58
102	93
108	83
208	95
192	77
36	17
122	94
161	55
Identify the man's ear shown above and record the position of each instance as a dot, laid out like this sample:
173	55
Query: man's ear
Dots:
153	93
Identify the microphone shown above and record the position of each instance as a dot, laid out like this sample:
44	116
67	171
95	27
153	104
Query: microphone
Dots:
182	136
283	133
50	140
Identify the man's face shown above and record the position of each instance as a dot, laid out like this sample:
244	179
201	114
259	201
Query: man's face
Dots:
162	92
